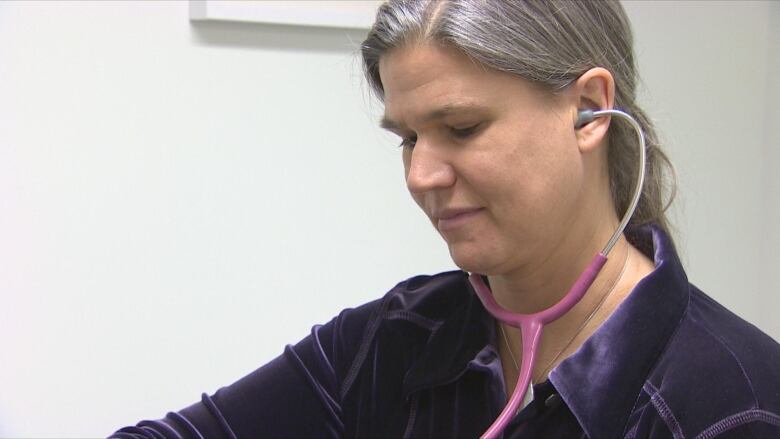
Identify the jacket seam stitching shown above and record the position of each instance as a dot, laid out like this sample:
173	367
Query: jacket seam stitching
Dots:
402	314
412	416
664	411
737	420
365	345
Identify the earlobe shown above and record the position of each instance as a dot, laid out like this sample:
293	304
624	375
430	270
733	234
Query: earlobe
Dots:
595	90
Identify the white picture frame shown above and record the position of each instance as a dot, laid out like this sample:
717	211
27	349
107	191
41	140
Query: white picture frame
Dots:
335	14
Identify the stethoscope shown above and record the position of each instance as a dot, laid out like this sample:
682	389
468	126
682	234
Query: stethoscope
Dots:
531	325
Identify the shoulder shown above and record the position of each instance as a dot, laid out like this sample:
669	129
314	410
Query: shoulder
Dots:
718	374
369	350
718	345
420	302
431	297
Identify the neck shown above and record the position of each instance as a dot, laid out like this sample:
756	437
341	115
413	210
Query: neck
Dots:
624	268
545	281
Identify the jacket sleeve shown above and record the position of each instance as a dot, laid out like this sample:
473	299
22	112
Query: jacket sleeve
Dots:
295	395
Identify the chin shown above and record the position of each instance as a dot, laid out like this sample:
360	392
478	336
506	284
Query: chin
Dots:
470	260
483	258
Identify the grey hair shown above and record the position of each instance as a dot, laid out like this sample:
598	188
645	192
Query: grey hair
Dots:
549	43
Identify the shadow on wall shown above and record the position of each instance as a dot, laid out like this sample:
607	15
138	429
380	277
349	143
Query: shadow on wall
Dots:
277	37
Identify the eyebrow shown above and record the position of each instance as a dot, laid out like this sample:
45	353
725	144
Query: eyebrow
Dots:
439	113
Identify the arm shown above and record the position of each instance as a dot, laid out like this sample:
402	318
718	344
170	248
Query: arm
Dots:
295	395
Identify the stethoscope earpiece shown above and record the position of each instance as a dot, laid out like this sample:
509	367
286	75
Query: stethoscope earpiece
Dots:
584	117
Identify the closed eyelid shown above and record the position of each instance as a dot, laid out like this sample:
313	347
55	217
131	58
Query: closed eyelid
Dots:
440	114
468	130
389	124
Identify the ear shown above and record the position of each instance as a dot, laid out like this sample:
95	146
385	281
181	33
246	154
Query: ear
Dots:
595	90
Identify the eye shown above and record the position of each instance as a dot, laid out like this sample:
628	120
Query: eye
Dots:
462	133
408	142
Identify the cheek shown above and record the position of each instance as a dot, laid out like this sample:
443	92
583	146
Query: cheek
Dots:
555	183
533	176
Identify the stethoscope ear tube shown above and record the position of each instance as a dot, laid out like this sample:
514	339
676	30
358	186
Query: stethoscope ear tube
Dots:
640	175
531	325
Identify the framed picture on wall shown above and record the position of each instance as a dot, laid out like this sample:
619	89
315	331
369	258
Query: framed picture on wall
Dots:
338	14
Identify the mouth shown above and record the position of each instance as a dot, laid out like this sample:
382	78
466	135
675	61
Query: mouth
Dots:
451	219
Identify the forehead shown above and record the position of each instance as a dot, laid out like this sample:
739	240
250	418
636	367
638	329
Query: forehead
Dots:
422	81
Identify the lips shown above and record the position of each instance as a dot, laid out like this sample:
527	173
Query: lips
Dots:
451	219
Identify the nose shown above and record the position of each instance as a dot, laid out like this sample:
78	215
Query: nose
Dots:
427	169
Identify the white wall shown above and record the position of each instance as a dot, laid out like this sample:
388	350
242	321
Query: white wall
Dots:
770	255
178	201
705	66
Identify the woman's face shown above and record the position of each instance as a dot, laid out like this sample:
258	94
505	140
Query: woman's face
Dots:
491	160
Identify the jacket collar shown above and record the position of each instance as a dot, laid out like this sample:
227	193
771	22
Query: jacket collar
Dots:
602	380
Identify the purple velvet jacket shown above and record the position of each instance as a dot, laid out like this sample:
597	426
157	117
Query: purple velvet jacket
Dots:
422	362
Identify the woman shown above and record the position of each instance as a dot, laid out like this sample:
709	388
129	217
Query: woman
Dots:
485	97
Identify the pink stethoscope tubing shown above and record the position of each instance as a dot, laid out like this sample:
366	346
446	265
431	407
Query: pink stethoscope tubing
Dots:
531	325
